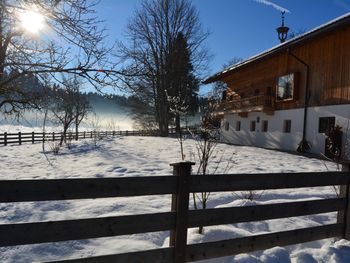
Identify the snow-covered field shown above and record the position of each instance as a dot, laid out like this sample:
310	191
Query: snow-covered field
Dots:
145	156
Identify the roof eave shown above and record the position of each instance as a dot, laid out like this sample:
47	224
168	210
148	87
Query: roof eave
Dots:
338	22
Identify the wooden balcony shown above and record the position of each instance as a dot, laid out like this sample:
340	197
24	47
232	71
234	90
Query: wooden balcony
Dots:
264	104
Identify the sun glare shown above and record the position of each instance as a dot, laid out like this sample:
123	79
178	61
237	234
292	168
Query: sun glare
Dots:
32	21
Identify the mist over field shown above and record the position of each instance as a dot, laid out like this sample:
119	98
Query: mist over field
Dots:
110	114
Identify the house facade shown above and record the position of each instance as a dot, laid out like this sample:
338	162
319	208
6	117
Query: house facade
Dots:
293	96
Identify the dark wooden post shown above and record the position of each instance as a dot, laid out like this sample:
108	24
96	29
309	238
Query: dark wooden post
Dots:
344	216
126	133
5	138
53	136
43	136
84	134
19	138
33	140
113	133
179	204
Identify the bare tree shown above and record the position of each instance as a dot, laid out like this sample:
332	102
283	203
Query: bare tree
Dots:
81	105
95	125
206	156
62	106
152	33
178	108
71	40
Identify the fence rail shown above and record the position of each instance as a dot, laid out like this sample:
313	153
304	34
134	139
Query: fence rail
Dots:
180	218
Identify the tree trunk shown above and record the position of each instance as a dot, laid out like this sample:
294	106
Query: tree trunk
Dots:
76	130
177	124
163	122
64	135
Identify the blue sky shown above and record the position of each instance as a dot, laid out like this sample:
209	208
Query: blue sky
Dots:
239	28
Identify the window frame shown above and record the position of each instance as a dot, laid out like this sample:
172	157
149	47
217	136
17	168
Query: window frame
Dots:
324	128
252	126
265	126
226	125
287	126
282	81
238	125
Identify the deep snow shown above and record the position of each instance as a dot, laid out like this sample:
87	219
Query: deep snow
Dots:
144	156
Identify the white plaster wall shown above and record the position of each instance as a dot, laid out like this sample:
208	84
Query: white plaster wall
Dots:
276	138
342	118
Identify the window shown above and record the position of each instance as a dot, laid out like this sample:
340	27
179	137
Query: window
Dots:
223	97
265	125
238	125
287	126
252	126
285	87
326	124
227	125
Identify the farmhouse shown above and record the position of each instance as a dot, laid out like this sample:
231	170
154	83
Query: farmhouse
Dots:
294	96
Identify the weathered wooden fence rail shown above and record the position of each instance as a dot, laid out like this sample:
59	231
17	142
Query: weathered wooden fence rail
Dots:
180	218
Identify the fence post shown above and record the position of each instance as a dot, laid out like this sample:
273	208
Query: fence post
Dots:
43	136
5	138
33	140
344	216
84	134
126	133
53	136
19	138
179	204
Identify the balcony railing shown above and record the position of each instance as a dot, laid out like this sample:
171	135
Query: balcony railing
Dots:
256	103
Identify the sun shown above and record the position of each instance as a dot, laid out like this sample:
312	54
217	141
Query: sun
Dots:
32	21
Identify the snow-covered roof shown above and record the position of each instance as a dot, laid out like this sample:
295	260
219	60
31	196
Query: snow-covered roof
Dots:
339	21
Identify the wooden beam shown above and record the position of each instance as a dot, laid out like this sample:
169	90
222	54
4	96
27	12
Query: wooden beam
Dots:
180	202
246	182
232	215
243	114
54	231
344	216
224	248
160	255
63	189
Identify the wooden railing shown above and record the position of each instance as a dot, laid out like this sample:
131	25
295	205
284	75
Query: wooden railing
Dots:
248	103
180	218
33	137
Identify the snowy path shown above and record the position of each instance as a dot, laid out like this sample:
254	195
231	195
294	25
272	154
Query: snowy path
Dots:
144	156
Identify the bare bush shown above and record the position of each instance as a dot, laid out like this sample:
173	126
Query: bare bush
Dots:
54	146
206	156
95	125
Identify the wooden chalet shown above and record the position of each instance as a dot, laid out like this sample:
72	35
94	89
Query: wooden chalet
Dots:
291	93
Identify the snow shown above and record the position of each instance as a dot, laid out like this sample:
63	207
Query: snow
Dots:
145	156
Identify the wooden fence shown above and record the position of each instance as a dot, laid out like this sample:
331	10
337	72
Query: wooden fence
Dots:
180	218
33	137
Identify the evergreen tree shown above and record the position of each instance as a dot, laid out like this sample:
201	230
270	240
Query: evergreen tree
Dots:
152	33
183	85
